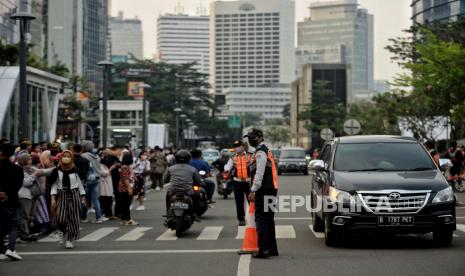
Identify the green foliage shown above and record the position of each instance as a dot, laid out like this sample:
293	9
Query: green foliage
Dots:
433	59
325	111
9	55
278	135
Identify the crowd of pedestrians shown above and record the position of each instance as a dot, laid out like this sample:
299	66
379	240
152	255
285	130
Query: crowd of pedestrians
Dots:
50	189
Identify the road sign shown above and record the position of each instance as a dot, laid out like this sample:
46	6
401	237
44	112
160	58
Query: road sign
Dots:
234	122
352	127
326	134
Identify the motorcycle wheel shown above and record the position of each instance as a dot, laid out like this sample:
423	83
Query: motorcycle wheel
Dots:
179	226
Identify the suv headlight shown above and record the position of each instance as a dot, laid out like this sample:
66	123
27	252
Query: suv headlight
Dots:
446	195
340	196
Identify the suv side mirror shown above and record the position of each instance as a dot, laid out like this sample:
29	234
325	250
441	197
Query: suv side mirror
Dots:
317	165
445	164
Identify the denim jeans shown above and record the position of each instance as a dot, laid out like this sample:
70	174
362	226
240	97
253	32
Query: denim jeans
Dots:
92	198
8	226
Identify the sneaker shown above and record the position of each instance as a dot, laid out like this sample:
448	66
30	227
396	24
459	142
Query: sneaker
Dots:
92	210
157	189
131	207
124	222
97	221
84	220
3	257
13	255
105	219
131	223
140	208
69	245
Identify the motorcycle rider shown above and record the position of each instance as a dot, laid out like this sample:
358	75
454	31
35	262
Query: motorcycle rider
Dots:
202	165
219	165
239	167
181	176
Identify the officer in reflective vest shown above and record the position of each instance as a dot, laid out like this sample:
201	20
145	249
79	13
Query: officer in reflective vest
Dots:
264	190
239	168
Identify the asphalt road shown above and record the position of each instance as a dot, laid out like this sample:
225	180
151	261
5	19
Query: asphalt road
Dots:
209	248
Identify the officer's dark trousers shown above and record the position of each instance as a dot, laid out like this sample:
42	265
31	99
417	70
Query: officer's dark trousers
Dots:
241	191
264	220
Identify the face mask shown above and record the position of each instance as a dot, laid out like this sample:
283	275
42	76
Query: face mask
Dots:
239	150
253	142
66	160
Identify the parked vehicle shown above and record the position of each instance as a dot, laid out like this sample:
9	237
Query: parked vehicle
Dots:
292	160
392	179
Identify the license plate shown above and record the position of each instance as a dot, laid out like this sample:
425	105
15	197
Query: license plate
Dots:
395	221
181	205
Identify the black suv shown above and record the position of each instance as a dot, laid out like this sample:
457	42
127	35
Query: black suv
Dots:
378	184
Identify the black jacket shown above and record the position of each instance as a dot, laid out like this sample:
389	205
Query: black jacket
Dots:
11	180
82	166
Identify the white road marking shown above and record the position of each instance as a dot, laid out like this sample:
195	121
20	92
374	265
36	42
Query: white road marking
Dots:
296	218
134	234
243	268
210	233
98	234
285	232
106	252
317	235
169	235
461	227
240	232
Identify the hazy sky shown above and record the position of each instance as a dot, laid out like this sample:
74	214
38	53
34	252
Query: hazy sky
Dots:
391	16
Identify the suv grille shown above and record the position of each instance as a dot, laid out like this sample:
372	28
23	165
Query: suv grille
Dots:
388	202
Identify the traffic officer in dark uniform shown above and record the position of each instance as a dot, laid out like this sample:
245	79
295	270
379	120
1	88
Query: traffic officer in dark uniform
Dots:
239	168
264	186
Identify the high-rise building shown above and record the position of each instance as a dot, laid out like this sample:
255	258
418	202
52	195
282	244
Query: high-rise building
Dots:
184	39
382	86
77	37
252	44
126	37
427	11
340	31
8	28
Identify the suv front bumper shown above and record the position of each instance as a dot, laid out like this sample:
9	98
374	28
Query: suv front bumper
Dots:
431	218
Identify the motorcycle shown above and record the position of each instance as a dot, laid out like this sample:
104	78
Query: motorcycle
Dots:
179	215
224	186
201	195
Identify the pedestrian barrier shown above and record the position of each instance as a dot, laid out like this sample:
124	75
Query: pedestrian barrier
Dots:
250	242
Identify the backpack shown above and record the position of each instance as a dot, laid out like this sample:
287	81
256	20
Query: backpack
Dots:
90	176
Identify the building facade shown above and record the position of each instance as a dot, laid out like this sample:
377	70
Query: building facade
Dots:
382	86
184	39
427	11
267	101
126	37
251	44
340	31
337	77
8	30
77	37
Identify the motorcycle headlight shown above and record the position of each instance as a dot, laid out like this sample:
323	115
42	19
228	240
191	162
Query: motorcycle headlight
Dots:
340	196
446	195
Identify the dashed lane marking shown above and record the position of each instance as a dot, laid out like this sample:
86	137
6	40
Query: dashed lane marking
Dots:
210	233
134	234
99	234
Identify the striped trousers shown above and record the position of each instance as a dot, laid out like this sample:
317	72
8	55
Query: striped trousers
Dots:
68	205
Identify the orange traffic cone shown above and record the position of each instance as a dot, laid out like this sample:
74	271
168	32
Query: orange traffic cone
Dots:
250	243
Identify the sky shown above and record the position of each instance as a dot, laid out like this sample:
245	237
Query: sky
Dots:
390	18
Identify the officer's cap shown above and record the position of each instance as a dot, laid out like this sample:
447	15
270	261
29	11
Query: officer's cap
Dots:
254	133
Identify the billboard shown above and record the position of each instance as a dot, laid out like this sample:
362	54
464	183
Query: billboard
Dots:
135	90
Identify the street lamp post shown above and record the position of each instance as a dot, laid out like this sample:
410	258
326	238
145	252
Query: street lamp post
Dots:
177	110
189	123
183	118
144	114
23	18
106	64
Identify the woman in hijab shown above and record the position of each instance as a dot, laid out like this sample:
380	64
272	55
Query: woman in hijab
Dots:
66	191
106	184
43	205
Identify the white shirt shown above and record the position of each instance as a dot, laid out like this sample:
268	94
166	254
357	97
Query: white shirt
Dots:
261	159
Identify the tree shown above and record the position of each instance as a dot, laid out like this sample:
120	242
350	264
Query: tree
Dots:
325	111
277	135
433	57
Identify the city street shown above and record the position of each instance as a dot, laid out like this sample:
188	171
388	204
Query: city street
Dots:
210	247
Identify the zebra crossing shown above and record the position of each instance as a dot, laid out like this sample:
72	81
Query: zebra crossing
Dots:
208	233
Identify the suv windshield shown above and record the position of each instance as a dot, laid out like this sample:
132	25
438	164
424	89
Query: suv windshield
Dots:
298	154
382	157
210	154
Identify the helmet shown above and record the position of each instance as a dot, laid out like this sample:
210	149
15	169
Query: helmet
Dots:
182	156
